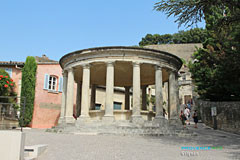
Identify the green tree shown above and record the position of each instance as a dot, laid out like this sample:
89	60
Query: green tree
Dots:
196	35
28	89
215	69
189	12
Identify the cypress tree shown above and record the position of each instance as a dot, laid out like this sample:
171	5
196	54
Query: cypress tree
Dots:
28	90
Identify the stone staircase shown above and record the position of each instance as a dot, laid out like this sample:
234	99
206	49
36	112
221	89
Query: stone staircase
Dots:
148	128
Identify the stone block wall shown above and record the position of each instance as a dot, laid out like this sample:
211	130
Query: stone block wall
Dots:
228	115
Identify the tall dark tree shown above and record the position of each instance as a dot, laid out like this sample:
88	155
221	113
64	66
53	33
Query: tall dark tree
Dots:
215	69
28	89
189	12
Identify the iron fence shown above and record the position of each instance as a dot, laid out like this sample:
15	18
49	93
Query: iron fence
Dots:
12	109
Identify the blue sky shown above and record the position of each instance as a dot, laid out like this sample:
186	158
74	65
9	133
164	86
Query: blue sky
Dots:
57	27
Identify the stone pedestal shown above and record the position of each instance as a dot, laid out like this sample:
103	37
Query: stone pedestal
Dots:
69	119
108	119
160	121
137	119
82	120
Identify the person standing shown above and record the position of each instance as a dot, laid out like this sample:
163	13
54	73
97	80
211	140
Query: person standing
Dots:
187	115
195	118
189	105
183	118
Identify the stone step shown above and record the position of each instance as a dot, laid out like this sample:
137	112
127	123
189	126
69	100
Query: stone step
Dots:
32	152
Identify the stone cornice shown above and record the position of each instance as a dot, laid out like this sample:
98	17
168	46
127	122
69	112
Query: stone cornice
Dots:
121	53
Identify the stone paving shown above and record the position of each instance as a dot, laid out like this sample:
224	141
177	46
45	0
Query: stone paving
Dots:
111	147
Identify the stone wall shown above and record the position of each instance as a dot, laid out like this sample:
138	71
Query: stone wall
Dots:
228	115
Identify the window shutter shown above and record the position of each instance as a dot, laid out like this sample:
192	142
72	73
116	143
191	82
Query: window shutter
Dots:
60	84
46	81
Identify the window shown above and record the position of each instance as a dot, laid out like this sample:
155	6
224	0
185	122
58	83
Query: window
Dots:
97	106
9	71
117	106
52	83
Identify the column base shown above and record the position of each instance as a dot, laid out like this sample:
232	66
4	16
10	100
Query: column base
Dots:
150	115
69	119
108	119
83	118
160	121
137	119
61	120
82	121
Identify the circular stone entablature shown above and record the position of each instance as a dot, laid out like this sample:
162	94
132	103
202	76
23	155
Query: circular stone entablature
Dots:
123	59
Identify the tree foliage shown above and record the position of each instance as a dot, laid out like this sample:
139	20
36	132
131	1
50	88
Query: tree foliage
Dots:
216	68
196	35
189	12
28	89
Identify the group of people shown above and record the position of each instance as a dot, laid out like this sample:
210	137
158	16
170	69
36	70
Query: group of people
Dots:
186	115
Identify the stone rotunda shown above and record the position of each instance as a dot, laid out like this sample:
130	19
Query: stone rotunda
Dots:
128	67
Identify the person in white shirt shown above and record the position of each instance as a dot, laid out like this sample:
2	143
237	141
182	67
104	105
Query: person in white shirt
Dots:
187	115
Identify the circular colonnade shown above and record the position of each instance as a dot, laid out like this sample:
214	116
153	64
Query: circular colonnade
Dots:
118	67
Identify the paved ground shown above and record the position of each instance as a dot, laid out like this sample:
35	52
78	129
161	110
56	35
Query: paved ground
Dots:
109	147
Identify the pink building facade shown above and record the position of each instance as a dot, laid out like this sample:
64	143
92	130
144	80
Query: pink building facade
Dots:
48	93
48	90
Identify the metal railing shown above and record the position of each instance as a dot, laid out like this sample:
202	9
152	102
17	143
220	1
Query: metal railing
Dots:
12	112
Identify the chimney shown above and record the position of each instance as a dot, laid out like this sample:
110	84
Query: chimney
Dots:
44	56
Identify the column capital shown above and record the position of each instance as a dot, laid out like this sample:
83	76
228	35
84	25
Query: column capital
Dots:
136	64
110	63
86	66
64	73
69	69
158	67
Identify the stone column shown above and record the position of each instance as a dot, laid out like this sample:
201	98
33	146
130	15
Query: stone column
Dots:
127	102
70	92
78	100
144	98
85	93
109	92
158	92
173	98
93	96
136	115
64	95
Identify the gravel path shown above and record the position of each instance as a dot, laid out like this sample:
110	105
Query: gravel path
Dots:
110	147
